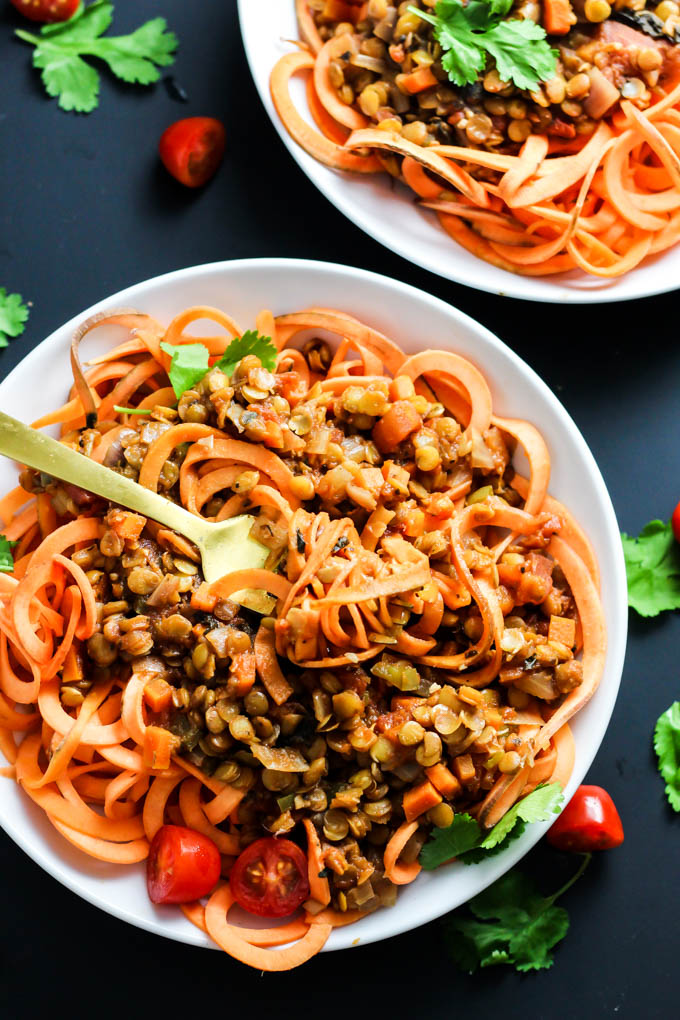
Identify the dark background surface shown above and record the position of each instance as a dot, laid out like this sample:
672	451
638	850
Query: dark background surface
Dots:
85	210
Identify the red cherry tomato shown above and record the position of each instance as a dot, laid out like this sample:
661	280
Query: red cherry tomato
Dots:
192	149
183	865
270	878
47	10
675	523
590	821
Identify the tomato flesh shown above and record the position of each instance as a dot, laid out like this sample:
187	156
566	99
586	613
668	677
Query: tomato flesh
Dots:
192	149
675	523
183	865
589	822
47	10
269	878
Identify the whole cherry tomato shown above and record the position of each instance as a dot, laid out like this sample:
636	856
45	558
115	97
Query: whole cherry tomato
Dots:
192	149
183	865
47	10
590	821
270	878
675	523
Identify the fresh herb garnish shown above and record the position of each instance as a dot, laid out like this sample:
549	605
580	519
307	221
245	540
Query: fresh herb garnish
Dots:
653	569
667	747
190	361
6	558
465	839
470	34
188	365
60	48
13	316
131	410
250	343
512	923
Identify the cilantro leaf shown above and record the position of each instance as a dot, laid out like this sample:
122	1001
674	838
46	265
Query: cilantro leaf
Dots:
465	839
6	559
653	569
537	807
60	48
460	836
133	58
470	34
463	59
512	923
190	361
69	79
250	343
521	53
13	315
667	747
481	852
188	366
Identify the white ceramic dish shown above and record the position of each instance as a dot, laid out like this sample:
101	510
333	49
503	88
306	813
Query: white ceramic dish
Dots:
389	214
415	320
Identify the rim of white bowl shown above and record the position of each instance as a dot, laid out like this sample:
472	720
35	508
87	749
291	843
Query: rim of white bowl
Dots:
486	873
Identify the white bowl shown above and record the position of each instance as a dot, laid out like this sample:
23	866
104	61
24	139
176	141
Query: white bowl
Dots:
415	320
389	214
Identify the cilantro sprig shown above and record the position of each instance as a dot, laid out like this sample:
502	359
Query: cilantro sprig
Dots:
6	558
13	316
465	840
511	923
653	569
667	747
60	48
470	34
190	361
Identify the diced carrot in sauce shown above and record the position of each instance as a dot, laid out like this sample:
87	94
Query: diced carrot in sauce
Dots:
562	629
396	425
243	667
414	524
204	599
337	10
443	780
158	694
558	17
126	525
420	799
464	768
418	81
401	388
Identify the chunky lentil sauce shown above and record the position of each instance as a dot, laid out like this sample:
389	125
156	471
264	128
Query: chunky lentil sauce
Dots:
610	51
418	661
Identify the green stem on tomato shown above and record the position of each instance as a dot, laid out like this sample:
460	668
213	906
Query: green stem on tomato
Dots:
574	878
28	37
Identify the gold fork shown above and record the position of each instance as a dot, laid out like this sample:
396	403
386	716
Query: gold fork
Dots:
224	547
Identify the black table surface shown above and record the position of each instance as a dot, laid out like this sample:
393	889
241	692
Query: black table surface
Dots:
85	210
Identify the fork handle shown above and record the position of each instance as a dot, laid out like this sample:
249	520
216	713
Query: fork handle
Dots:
41	452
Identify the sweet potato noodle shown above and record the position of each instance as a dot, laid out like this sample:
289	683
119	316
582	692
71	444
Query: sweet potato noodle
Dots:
427	622
600	201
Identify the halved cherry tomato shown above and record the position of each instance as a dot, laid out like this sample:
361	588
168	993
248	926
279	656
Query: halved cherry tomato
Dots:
675	523
270	878
192	149
47	10
183	865
590	821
